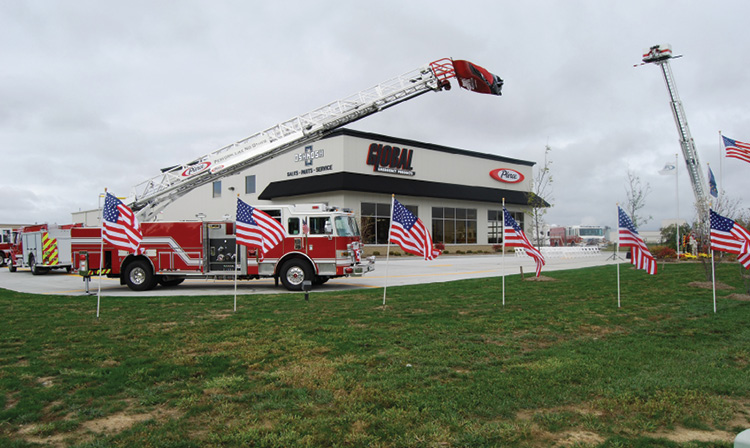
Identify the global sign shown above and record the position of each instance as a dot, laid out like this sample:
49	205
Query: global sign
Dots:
507	175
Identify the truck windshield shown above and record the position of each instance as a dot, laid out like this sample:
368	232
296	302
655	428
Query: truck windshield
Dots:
346	226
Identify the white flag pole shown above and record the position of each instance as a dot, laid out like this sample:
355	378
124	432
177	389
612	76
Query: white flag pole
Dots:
713	271
236	257
101	252
617	255
388	251
677	200
502	214
721	163
713	279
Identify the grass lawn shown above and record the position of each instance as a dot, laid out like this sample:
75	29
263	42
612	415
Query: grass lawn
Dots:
444	365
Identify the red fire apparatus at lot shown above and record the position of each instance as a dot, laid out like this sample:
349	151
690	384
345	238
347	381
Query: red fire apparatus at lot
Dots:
321	243
41	248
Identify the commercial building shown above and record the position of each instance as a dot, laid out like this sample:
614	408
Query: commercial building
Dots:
455	192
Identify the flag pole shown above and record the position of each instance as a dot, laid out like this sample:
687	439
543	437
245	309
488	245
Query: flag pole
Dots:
677	200
617	255
388	251
101	252
236	256
721	162
503	249
713	269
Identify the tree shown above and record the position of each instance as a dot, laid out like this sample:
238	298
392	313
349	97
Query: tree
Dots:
669	235
636	199
540	198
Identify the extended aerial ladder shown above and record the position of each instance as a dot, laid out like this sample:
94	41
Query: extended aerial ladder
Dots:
153	195
660	55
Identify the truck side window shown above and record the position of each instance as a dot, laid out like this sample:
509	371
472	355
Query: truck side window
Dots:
318	225
293	226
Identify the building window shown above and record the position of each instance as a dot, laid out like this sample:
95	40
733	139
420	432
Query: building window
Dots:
250	184
495	225
376	221
454	225
217	189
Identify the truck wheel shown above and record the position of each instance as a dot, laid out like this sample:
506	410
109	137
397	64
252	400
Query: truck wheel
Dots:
139	277
294	272
11	266
35	270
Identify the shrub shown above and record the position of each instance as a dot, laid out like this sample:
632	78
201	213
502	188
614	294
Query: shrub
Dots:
440	246
663	252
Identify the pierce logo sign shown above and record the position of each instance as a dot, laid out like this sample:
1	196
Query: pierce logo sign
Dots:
192	170
390	159
507	175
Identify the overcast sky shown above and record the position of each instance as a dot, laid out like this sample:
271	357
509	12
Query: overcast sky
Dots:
98	93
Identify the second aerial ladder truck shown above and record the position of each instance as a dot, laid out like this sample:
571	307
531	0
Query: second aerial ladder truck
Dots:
321	242
661	55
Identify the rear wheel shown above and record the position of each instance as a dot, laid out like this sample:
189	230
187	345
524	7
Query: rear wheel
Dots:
139	276
294	272
35	268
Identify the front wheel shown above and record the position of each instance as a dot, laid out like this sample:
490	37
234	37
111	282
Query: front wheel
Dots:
294	272
139	276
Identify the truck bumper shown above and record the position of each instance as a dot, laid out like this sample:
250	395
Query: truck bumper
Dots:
364	267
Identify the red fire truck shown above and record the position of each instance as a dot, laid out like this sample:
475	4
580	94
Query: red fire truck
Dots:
41	248
321	243
7	237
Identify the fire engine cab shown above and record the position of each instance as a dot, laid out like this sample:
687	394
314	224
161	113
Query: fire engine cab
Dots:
321	243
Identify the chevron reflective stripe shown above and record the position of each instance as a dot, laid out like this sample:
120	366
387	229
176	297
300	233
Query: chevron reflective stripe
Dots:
49	250
95	272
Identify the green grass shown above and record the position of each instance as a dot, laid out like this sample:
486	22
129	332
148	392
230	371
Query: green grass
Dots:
444	365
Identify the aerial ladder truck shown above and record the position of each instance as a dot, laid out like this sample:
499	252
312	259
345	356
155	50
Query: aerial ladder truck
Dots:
321	242
661	55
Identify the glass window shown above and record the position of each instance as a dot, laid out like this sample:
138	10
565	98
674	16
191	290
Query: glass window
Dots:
495	225
217	189
319	225
346	226
293	226
249	184
454	225
376	221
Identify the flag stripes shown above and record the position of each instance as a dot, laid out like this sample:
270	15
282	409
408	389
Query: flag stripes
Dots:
120	227
257	229
736	149
515	237
640	257
410	234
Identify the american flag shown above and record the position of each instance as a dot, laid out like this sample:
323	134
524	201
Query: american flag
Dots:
640	256
409	232
728	236
257	229
513	236
120	226
737	149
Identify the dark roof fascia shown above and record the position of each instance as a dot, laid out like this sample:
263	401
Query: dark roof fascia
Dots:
346	181
429	146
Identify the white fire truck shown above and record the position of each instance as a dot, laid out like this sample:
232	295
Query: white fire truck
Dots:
321	243
41	248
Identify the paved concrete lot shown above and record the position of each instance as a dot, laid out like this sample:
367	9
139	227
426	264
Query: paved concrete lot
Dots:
396	272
